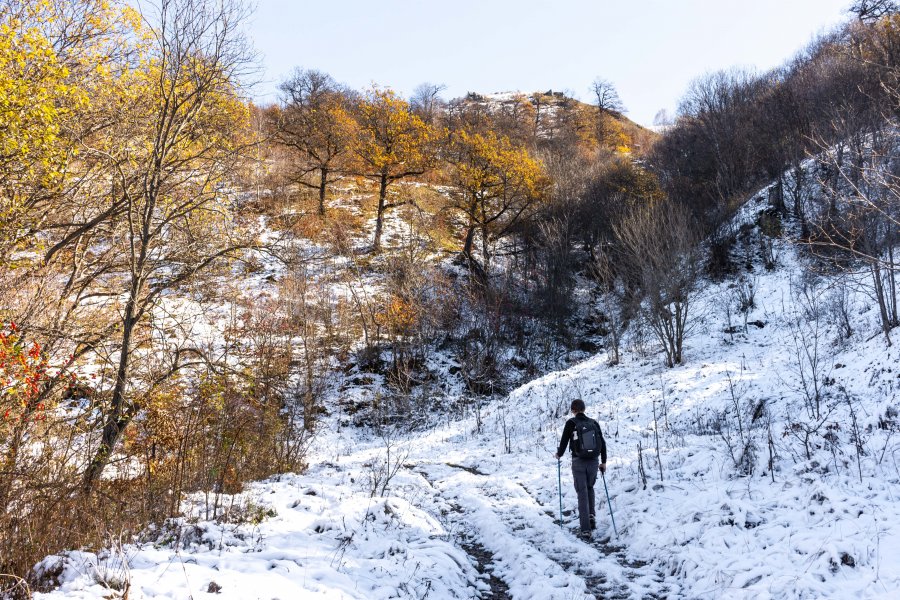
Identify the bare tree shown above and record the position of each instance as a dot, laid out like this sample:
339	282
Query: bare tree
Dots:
662	118
606	96
660	245
873	10
426	101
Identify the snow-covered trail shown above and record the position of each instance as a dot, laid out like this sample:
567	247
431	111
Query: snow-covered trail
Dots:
455	522
532	555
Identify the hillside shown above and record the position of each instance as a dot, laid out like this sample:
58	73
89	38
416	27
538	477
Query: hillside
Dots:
759	490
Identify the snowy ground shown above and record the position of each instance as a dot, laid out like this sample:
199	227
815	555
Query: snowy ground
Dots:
466	512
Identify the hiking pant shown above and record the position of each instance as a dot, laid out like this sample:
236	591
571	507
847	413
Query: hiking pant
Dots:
584	472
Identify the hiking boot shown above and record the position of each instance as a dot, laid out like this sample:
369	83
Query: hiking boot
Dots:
593	523
584	536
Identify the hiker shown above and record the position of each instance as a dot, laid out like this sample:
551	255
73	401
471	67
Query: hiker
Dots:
585	440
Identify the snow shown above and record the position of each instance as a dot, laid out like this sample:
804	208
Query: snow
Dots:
461	513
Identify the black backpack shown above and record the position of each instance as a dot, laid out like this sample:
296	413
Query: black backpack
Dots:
586	439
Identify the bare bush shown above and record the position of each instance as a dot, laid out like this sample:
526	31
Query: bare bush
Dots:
745	297
858	435
809	432
809	367
736	425
212	432
839	309
309	316
393	452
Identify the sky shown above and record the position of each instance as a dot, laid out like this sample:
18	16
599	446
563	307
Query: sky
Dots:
649	49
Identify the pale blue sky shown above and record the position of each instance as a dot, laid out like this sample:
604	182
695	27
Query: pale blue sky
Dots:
650	49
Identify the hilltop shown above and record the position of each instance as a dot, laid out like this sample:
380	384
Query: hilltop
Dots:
552	111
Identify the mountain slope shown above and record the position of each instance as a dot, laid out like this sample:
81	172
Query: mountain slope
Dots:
470	508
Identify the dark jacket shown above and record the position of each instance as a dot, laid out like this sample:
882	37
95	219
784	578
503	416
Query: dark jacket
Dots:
567	437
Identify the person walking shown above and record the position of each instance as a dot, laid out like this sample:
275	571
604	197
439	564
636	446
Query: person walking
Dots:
584	439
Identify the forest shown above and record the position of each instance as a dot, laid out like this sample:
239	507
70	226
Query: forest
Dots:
190	282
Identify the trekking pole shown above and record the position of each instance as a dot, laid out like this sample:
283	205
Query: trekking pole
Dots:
609	504
559	488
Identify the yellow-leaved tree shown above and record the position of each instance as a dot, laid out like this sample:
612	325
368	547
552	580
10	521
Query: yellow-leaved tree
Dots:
34	95
496	184
393	144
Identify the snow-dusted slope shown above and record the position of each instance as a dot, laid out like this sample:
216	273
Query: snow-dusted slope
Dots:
472	512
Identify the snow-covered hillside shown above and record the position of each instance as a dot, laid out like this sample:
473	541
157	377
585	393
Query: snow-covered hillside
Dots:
761	489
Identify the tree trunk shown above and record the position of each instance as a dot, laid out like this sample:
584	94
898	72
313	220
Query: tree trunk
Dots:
878	284
776	197
797	192
892	279
485	242
379	219
680	322
485	249
836	182
323	181
467	247
475	269
309	400
118	418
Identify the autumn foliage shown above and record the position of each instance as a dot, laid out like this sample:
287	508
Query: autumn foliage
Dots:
394	144
23	370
